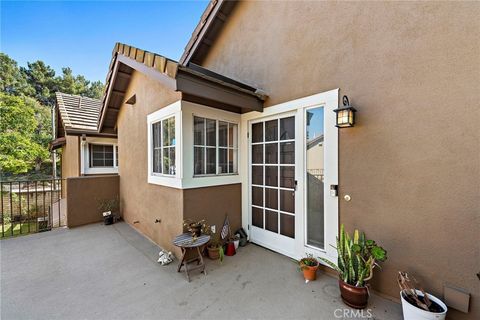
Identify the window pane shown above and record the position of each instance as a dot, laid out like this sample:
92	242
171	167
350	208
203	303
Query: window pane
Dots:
222	133
199	160
271	130
171	130
97	163
166	160
97	148
116	156
232	135
156	161
232	160
156	134
257	196
287	128
222	161
257	132
109	162
199	130
287	201
211	134
271	153
211	160
287	225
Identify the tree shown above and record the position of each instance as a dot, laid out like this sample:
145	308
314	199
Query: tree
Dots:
19	125
42	78
12	80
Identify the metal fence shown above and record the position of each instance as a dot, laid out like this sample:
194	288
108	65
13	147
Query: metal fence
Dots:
31	206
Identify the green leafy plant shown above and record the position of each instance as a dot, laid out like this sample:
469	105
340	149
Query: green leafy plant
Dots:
357	257
105	205
308	261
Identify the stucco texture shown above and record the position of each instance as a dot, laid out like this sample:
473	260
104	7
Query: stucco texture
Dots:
143	203
411	163
84	196
70	160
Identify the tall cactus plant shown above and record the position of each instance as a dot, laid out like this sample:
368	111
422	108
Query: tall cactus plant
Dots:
356	257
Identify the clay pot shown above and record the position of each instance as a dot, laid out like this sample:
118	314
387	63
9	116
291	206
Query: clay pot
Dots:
355	297
309	272
213	253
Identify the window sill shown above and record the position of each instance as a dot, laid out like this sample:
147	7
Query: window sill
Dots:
194	182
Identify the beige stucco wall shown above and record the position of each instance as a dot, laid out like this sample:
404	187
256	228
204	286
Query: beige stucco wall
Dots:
142	203
411	164
84	196
70	159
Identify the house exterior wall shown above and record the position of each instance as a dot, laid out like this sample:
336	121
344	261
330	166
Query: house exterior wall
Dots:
84	194
411	163
70	160
142	203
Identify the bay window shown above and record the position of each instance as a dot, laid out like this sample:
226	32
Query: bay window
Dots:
215	147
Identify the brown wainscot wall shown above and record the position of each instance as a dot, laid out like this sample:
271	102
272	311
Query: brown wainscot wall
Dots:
83	196
213	203
411	164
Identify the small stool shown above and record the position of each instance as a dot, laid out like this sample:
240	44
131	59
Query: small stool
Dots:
185	241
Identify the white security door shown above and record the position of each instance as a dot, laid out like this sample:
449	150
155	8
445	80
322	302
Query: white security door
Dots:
273	183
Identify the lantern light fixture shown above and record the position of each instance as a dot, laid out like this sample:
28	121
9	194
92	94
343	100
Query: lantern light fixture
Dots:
345	116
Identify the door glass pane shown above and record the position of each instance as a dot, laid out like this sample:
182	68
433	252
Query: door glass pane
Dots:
287	128
271	198
271	130
257	153
257	132
271	176
315	188
287	201
257	196
257	175
271	153
287	152
287	177
287	225
232	135
271	221
257	217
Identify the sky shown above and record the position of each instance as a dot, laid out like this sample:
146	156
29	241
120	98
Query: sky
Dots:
82	34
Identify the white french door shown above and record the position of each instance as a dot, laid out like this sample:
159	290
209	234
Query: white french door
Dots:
292	165
273	182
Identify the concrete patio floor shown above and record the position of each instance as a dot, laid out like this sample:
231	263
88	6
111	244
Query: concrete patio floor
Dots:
110	272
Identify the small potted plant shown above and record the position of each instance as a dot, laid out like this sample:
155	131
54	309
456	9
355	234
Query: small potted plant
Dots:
108	207
196	228
215	249
416	303
357	258
309	266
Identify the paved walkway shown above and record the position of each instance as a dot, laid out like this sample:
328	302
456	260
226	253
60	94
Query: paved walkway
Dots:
110	272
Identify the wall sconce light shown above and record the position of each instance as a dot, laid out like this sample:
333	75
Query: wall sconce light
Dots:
345	114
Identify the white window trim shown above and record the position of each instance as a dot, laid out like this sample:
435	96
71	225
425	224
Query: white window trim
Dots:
85	168
172	110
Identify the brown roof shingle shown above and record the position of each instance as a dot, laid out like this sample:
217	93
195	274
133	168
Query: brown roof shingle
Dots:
78	113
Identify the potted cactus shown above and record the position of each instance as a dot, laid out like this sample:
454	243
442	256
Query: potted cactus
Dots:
309	266
357	257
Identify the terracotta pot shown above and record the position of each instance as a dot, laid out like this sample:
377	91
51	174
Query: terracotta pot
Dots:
355	297
309	272
213	253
